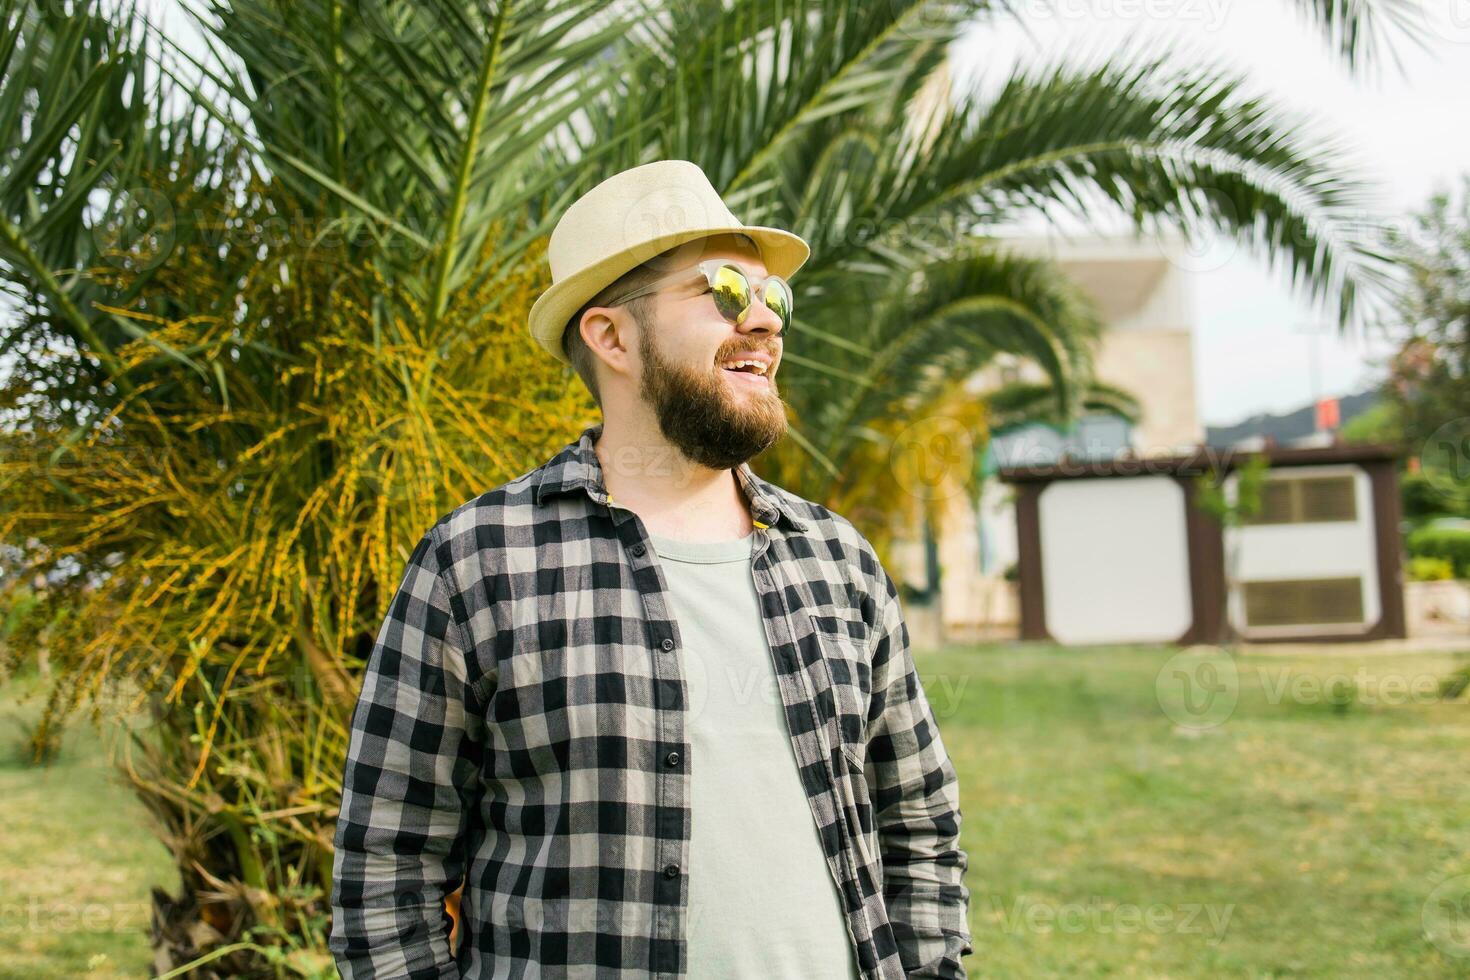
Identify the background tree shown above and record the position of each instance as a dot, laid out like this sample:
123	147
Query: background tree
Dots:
1428	388
1424	403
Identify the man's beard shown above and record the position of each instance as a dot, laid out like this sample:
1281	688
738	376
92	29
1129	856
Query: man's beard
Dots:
702	417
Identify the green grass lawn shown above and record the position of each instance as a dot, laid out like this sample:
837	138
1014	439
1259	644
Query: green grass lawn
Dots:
1295	838
77	856
1288	837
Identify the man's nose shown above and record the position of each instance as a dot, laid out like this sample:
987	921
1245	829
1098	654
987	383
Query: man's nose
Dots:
760	317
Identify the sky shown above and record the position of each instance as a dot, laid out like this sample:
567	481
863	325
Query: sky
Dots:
1259	347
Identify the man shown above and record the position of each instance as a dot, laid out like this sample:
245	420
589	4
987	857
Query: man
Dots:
657	714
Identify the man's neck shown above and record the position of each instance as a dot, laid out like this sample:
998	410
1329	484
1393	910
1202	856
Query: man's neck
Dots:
674	496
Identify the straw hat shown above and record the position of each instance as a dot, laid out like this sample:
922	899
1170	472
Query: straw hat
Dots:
630	218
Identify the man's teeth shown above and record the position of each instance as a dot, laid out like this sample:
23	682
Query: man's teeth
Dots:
760	367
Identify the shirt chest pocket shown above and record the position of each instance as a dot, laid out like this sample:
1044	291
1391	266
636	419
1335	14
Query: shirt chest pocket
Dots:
849	681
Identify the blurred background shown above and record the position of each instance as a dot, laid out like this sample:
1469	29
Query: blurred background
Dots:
1134	336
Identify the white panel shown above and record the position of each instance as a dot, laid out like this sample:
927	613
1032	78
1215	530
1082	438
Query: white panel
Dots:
1115	560
1333	549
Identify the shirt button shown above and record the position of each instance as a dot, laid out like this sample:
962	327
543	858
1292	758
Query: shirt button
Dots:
671	871
672	758
638	550
667	644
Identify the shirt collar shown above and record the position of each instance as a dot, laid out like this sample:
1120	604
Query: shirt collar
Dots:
577	467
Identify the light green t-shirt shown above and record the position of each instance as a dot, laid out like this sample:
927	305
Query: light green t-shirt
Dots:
762	901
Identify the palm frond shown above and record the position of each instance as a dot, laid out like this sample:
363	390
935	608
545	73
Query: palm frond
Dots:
1170	149
1362	31
937	326
1021	402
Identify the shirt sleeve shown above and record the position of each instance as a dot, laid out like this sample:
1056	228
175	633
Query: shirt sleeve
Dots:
408	787
915	794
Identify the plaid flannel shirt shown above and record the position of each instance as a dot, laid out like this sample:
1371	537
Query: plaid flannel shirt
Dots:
520	728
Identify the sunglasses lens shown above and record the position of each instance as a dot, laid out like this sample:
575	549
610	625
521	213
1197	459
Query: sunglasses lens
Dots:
732	295
778	299
731	292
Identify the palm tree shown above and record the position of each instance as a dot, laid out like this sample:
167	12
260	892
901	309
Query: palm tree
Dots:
851	139
245	371
269	291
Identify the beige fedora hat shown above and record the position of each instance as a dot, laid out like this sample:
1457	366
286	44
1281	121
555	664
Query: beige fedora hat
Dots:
632	217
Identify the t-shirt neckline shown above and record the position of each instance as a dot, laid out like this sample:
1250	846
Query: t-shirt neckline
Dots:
736	549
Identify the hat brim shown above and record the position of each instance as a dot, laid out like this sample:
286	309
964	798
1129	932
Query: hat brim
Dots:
781	251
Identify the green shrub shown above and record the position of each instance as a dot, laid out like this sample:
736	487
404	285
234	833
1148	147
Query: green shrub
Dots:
1449	544
1422	568
1420	498
1423	501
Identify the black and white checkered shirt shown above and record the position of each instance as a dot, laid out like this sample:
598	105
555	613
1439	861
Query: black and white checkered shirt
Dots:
521	727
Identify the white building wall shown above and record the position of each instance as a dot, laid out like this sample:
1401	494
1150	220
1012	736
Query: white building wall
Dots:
1115	560
1283	552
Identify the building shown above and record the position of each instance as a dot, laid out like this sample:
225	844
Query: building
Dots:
1119	550
1146	350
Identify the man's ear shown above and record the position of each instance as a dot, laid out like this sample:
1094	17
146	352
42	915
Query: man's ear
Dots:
605	332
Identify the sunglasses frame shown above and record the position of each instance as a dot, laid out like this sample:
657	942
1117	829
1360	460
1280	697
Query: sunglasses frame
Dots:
707	270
